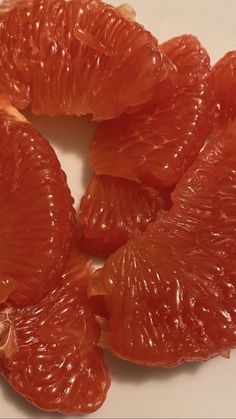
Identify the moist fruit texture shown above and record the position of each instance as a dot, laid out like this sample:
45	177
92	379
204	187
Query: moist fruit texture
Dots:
157	145
77	57
224	76
154	146
49	351
171	293
37	219
114	210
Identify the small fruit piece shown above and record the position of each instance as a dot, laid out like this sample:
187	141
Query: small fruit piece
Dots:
127	11
171	293
114	210
55	361
37	219
157	145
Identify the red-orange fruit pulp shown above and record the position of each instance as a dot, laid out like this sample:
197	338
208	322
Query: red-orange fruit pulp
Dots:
155	146
37	219
171	293
49	352
224	77
113	210
77	57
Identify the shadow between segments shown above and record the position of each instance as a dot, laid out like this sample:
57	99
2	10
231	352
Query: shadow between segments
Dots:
123	371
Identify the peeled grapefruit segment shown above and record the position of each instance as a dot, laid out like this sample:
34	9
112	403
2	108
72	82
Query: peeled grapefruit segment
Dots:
55	362
224	76
37	219
171	293
157	145
69	57
114	210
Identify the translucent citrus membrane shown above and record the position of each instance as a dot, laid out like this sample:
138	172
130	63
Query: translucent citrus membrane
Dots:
8	342
5	106
7	286
104	340
96	288
86	38
127	11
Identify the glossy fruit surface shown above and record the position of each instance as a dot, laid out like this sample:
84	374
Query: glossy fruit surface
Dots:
171	293
49	351
114	210
224	76
68	57
157	145
37	219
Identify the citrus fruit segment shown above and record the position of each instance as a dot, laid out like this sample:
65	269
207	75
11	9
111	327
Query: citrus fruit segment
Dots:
171	293
68	57
114	210
156	145
37	219
224	76
54	359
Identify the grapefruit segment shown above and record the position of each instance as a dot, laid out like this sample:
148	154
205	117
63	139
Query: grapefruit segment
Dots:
171	292
66	57
37	219
56	363
192	62
224	76
156	145
114	210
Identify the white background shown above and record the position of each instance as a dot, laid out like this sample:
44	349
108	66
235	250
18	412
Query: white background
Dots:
204	390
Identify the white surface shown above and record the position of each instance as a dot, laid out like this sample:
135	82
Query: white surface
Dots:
204	390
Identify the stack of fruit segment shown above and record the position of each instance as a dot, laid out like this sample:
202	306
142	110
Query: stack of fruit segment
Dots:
152	147
168	294
48	333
